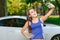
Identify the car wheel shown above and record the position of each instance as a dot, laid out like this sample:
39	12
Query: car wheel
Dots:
56	37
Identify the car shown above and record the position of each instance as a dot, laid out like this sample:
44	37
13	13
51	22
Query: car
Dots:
10	29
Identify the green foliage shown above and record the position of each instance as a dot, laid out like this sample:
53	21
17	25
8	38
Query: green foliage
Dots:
59	1
16	7
53	20
13	6
19	7
30	1
53	2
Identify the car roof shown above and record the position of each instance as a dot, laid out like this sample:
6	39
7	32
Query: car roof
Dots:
8	17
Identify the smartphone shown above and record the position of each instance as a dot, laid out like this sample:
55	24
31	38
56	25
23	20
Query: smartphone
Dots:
48	3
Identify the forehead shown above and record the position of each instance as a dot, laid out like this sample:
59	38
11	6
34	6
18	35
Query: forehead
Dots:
31	10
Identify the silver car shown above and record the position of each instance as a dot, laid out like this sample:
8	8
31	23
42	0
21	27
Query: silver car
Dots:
10	29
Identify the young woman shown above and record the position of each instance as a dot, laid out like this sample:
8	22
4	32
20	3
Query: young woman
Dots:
34	24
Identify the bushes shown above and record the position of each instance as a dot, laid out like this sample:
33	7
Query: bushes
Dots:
16	7
53	20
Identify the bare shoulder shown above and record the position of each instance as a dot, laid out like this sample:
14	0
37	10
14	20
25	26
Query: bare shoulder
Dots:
28	23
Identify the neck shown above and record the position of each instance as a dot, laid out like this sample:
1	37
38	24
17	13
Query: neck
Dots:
35	18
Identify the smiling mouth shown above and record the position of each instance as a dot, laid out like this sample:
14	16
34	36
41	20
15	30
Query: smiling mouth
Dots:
34	14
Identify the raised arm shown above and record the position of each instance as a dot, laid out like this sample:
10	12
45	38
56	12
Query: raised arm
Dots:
43	18
23	30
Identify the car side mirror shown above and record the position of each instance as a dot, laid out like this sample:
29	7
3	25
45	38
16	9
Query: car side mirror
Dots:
44	25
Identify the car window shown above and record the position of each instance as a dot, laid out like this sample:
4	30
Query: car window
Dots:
13	22
20	22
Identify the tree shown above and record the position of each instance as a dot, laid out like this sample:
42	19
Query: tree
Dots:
16	7
2	7
13	6
58	5
30	1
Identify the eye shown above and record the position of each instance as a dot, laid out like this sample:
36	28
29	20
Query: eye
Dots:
31	11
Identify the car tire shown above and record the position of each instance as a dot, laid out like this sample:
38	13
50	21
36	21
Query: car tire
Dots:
56	37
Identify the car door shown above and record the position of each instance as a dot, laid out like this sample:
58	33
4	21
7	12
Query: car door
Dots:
10	29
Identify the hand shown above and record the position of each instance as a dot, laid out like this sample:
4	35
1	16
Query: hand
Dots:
50	5
28	37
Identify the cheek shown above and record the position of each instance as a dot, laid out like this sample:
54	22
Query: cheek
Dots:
31	14
36	12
